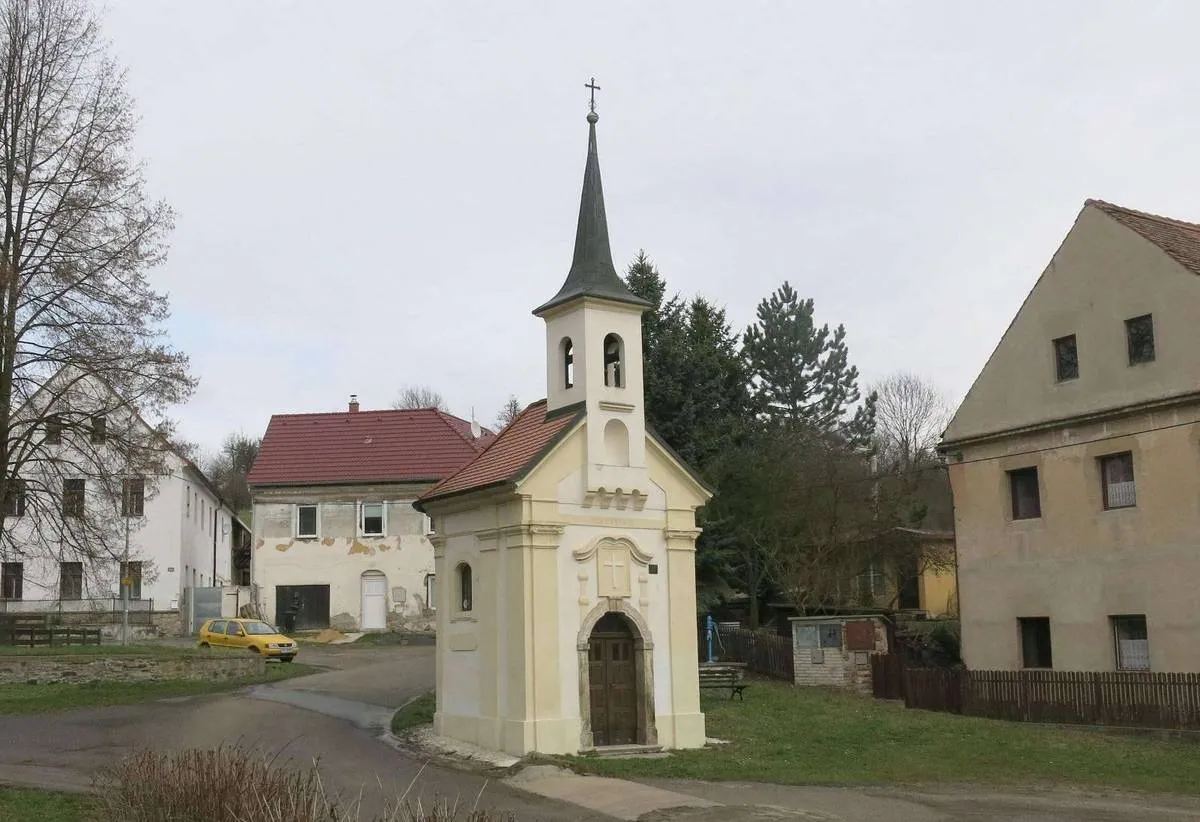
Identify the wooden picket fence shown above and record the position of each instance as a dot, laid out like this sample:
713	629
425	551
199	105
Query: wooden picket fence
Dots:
1124	698
29	636
761	652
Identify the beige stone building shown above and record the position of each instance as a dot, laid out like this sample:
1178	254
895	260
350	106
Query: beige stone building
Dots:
1075	460
566	614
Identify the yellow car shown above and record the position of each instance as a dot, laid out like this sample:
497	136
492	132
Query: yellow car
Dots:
254	634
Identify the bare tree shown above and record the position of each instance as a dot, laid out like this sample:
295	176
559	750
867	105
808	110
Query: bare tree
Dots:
83	357
910	415
511	410
229	468
420	396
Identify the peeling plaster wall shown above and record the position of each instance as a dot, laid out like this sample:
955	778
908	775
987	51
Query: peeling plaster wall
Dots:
338	556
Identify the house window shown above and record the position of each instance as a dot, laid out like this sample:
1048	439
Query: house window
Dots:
430	591
819	635
465	598
72	499
1066	358
1116	479
187	502
70	580
1023	484
54	430
371	519
133	497
12	580
132	576
14	498
871	582
1131	642
614	366
99	429
568	360
1139	334
306	521
1035	642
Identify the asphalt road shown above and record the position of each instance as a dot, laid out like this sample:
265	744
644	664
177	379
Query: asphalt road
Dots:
335	718
360	690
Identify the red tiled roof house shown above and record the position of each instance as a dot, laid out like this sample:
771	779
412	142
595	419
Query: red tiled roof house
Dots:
336	539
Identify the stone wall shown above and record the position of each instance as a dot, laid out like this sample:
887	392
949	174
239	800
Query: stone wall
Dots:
97	668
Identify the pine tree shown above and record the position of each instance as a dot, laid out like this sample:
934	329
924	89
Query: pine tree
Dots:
800	373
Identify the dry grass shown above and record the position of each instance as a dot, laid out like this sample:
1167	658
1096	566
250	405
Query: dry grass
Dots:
232	784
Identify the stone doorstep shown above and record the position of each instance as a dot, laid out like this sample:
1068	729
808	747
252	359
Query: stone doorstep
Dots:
629	752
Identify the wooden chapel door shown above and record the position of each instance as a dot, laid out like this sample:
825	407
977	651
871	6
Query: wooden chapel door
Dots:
613	682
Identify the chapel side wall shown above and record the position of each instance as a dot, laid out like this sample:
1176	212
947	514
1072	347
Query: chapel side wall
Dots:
479	660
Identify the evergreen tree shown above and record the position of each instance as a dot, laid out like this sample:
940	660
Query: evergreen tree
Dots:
800	373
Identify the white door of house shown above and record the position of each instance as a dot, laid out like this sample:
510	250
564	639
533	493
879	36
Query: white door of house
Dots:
374	601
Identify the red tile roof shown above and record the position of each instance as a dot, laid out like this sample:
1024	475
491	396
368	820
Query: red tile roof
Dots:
1178	239
514	451
407	445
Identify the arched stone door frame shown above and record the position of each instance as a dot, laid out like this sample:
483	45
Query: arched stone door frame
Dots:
643	658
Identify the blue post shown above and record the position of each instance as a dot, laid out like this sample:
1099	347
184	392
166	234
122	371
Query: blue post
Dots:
709	626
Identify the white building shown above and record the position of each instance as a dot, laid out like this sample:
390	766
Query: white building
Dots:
567	621
336	539
70	508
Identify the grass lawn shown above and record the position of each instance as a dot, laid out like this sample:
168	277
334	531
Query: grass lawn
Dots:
44	806
418	712
815	736
31	699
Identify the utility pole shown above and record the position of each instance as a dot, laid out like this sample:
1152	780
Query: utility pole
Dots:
125	579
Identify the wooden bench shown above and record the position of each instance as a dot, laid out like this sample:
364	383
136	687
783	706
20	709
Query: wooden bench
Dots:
724	676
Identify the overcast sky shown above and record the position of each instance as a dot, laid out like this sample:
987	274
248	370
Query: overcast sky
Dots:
373	194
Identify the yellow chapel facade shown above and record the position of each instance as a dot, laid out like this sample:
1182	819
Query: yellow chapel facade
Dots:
565	552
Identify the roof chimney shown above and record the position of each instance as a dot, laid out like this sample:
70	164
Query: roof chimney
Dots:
354	403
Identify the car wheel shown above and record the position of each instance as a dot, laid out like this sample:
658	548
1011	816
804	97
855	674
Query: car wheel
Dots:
286	659
254	649
204	645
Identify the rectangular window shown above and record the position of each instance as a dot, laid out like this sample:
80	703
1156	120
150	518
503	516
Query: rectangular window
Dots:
1139	334
133	497
54	430
14	498
871	582
73	497
70	580
371	521
430	592
1066	358
1026	502
99	430
1131	642
306	521
187	502
12	580
1035	642
132	576
1116	479
831	634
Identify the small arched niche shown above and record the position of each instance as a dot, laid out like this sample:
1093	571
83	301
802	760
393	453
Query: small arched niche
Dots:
566	356
465	592
614	361
616	443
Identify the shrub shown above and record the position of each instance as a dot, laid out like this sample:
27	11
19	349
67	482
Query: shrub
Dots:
233	784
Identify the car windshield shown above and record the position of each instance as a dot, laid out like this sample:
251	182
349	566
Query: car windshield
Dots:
258	628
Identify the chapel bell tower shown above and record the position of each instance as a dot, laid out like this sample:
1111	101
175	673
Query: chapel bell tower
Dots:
594	354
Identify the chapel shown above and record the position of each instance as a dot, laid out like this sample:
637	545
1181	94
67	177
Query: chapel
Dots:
565	551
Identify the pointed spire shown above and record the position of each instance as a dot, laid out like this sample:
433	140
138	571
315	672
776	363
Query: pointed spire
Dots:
592	272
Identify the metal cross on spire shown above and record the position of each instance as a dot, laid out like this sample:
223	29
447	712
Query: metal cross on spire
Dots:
591	84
